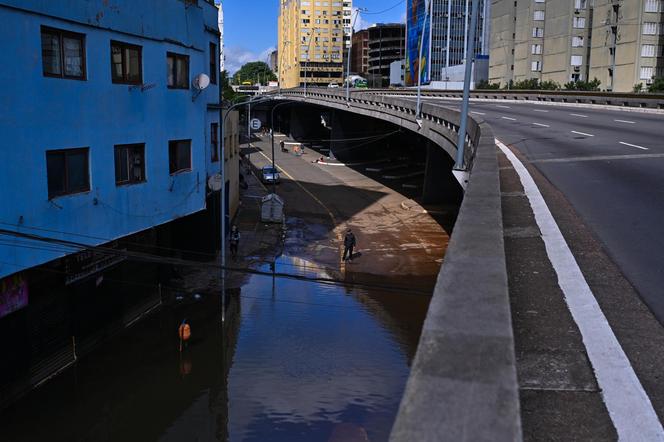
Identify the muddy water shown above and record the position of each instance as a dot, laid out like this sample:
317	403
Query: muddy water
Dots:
293	361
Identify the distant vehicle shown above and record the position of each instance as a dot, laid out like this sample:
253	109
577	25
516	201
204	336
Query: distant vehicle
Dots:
246	83
333	85
357	81
270	175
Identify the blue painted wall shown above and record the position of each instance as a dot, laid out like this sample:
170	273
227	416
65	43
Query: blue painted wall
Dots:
39	113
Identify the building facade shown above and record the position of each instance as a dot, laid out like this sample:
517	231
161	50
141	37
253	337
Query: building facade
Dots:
359	54
109	141
311	43
618	42
445	41
386	45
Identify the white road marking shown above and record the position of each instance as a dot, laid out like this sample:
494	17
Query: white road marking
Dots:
625	121
628	404
640	156
540	124
583	133
540	110
478	113
579	115
508	118
504	107
633	145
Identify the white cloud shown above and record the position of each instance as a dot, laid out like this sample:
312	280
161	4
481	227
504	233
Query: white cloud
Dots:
237	56
360	23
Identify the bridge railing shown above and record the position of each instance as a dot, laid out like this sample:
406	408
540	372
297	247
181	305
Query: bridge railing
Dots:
462	384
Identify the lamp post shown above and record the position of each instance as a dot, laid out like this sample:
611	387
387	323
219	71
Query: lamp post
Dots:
470	55
306	62
350	46
427	14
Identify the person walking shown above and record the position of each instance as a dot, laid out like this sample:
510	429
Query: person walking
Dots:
234	241
349	244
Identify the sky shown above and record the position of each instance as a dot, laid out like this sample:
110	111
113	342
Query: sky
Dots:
250	26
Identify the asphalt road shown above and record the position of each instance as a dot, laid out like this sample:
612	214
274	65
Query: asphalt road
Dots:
609	165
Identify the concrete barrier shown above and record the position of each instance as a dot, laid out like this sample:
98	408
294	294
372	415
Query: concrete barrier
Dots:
462	385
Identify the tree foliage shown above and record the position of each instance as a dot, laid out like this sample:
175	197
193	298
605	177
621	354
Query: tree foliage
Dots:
657	85
581	85
484	84
255	72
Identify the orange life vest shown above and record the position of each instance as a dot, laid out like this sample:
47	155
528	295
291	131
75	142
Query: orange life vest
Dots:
184	332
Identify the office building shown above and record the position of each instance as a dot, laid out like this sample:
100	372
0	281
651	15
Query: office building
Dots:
386	45
359	54
618	42
311	41
445	37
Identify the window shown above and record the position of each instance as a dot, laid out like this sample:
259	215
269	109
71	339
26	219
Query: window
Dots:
63	54
650	28
648	51
126	63
579	4
178	70
576	60
538	15
536	49
179	156
577	41
214	141
536	66
129	164
646	73
213	63
67	171
654	6
579	22
538	32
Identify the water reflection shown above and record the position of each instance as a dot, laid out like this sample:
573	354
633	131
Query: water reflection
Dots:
305	362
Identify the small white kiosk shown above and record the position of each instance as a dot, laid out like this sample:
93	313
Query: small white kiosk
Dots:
272	209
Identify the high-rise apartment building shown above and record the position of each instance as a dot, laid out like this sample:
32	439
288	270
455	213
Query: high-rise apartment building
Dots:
311	44
619	42
359	56
386	45
447	36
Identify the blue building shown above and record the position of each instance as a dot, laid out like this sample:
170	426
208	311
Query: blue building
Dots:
105	135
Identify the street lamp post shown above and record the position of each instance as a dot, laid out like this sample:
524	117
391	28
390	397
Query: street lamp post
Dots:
350	46
470	55
427	14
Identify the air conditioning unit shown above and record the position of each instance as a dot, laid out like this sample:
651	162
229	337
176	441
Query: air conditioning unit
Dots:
577	68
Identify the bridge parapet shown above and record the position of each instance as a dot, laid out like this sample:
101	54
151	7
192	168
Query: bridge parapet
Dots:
463	384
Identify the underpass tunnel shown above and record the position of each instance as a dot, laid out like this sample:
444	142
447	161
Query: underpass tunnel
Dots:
396	157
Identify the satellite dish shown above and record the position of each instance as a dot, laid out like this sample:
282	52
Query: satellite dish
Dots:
201	81
214	182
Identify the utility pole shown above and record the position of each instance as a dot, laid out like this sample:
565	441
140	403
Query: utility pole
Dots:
427	14
350	46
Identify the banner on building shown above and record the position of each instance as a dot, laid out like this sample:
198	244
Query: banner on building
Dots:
13	294
416	25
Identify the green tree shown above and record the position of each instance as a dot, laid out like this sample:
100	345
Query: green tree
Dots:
581	85
657	85
484	84
228	92
255	72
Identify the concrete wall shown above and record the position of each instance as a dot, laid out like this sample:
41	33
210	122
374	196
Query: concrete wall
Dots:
54	113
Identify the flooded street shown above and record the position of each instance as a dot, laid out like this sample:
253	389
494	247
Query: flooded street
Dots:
303	361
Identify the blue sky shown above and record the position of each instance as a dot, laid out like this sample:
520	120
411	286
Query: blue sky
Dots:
250	26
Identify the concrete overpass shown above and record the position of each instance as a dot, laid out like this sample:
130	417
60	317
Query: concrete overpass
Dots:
463	383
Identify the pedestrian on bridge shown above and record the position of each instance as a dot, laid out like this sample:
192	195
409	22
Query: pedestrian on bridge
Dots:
349	244
235	241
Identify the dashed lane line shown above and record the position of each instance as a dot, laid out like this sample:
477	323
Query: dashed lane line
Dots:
504	107
628	404
478	113
508	118
633	145
540	110
625	121
541	125
582	133
579	115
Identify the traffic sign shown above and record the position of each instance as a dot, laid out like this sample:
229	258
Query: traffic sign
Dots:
255	124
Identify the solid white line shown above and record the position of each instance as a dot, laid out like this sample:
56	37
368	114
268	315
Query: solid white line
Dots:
540	110
634	145
540	124
625	121
579	115
504	107
478	113
628	404
508	118
583	133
